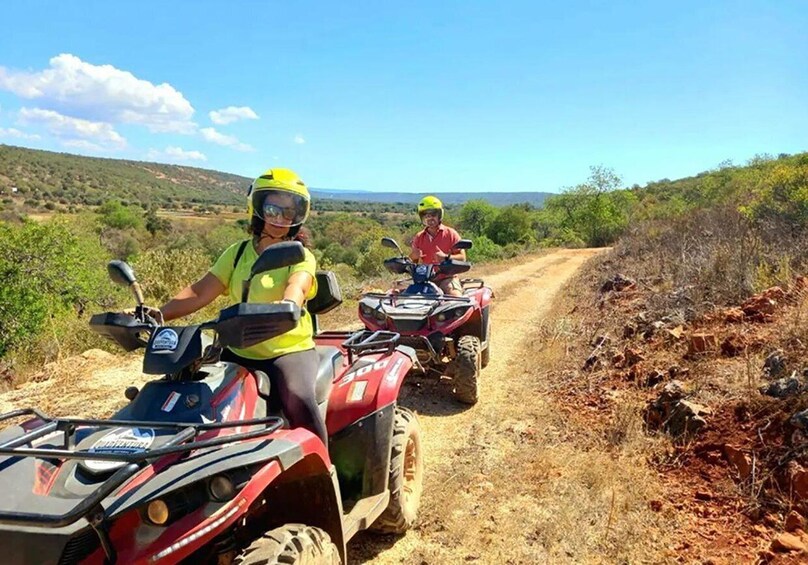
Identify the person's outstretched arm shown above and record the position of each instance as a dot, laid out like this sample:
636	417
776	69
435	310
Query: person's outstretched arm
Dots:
193	297
298	287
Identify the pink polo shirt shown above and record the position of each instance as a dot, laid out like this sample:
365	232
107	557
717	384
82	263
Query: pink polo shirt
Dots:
444	240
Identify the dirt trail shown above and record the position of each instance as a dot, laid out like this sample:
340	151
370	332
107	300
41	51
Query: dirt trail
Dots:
463	446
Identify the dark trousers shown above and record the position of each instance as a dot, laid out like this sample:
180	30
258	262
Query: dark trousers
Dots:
294	376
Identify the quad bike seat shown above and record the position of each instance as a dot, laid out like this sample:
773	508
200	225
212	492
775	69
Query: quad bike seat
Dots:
330	358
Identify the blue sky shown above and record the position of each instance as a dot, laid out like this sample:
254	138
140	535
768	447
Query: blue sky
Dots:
422	96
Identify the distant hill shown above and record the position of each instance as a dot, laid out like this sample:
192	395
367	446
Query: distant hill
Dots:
496	198
73	179
63	179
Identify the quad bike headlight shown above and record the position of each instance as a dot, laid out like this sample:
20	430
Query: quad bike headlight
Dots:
221	488
380	316
452	314
460	312
169	508
157	512
366	310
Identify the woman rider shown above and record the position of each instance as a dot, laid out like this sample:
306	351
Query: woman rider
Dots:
278	204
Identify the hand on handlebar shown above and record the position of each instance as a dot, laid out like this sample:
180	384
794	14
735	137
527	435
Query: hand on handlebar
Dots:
147	314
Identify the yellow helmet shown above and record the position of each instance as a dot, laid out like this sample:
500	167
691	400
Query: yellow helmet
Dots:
279	195
429	203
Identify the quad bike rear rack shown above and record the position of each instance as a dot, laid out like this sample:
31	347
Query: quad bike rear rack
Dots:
90	507
366	342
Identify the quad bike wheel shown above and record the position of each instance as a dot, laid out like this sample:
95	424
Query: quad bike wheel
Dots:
296	544
406	476
467	369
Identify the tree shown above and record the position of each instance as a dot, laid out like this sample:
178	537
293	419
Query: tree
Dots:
596	211
155	224
115	215
476	216
512	225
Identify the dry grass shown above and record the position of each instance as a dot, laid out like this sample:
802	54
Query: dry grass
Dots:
585	491
85	385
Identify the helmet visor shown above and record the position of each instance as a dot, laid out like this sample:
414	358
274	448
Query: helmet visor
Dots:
280	207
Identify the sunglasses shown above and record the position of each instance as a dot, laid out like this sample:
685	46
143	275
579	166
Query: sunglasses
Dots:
273	211
430	213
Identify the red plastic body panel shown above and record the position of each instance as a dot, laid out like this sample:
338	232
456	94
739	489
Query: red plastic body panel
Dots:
373	381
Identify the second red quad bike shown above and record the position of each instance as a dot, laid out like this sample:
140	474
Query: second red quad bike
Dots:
199	466
451	334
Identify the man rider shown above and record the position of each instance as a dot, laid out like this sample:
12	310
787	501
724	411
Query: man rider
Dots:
435	243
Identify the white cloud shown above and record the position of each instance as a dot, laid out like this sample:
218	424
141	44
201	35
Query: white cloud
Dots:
210	134
102	93
173	154
74	129
82	144
231	114
299	139
17	134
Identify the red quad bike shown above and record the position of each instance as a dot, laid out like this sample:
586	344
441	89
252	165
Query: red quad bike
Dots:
199	467
451	334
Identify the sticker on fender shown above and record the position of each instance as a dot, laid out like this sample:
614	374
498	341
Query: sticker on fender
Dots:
357	391
392	376
377	366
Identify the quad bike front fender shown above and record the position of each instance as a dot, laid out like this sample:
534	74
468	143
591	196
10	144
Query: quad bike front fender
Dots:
300	473
287	447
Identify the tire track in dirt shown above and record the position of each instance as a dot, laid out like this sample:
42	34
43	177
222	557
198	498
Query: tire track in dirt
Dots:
461	444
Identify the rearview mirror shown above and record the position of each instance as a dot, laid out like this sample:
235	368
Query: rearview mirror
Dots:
463	244
121	273
283	254
391	243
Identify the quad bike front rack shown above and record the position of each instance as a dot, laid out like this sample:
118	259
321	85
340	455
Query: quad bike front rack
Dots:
472	283
90	507
381	296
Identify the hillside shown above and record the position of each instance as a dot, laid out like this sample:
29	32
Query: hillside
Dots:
535	199
71	179
44	176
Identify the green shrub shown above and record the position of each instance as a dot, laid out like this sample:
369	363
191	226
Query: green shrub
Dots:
47	272
483	249
164	272
371	263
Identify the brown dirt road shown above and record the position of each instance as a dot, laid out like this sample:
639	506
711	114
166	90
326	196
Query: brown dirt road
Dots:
463	446
468	499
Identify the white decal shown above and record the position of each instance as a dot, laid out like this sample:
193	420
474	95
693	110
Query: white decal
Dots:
357	391
392	376
165	340
378	365
171	401
118	441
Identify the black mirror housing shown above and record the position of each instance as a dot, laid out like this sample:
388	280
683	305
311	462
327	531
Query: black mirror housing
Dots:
121	273
283	254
